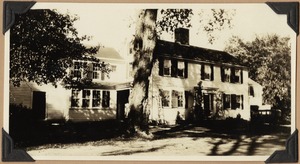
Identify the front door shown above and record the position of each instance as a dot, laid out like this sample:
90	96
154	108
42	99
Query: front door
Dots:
122	99
39	104
208	105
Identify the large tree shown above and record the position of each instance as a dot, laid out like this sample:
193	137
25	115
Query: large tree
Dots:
269	61
43	44
148	28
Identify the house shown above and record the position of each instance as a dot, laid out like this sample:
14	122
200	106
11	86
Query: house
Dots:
104	100
186	82
179	68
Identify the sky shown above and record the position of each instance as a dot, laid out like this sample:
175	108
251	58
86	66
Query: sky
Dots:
112	25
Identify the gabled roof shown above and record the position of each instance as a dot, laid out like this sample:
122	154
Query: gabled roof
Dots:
177	50
108	53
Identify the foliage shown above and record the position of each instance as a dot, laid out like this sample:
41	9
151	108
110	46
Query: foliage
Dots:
214	21
174	18
210	21
269	61
43	44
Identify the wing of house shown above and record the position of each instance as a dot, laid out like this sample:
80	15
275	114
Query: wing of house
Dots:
91	103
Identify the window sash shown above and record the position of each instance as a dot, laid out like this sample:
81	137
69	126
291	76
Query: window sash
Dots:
96	98
165	99
105	99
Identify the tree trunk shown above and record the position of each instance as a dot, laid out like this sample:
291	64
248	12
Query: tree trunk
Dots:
144	44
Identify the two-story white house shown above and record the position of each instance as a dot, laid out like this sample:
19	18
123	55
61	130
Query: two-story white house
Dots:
103	100
179	67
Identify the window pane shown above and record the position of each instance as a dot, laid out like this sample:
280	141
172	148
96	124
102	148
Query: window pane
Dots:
180	72
105	98
103	76
86	98
85	102
167	67
75	98
96	98
165	98
251	90
180	99
174	99
180	65
113	68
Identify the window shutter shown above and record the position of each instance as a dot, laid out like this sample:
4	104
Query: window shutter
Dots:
174	68
212	72
185	69
241	76
233	101
222	74
224	100
90	71
242	97
186	97
160	66
232	75
202	72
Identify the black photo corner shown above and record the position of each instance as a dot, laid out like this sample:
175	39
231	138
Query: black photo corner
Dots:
289	155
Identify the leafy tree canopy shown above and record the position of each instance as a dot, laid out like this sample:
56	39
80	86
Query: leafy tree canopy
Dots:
43	44
210	21
269	61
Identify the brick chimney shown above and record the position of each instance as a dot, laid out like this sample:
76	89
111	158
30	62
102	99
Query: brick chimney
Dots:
182	36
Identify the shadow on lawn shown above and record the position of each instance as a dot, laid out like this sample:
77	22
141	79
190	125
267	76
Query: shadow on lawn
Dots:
248	139
28	133
41	133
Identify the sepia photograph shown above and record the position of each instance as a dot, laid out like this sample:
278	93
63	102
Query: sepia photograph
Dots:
150	81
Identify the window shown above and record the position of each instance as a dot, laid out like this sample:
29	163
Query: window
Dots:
167	67
226	101
180	99
105	98
225	74
75	98
90	98
177	99
165	98
236	75
173	68
113	68
207	72
96	71
233	101
251	91
180	71
103	75
77	70
86	98
96	98
239	101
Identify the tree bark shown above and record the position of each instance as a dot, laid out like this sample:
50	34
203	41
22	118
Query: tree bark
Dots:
144	44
